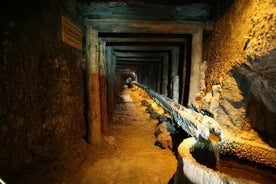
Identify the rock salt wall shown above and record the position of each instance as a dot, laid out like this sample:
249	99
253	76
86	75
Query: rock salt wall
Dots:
245	32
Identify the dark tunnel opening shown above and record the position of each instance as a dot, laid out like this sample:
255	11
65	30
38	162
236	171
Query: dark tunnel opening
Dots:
151	48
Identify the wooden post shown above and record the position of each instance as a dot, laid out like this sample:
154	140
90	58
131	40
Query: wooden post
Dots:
114	81
183	101
195	65
174	75
104	117
159	77
110	80
94	105
165	75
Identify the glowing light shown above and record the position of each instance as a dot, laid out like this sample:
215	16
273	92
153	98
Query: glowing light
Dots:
2	182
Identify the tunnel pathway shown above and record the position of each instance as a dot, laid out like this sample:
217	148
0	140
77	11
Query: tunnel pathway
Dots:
128	154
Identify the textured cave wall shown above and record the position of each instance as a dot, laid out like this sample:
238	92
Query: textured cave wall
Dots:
244	34
41	93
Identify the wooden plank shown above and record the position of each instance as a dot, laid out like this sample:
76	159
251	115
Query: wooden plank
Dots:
145	26
103	87
71	34
146	11
139	54
124	70
111	81
138	59
93	88
143	62
130	67
148	41
143	48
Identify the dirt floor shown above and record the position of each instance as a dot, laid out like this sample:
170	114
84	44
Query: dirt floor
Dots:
127	153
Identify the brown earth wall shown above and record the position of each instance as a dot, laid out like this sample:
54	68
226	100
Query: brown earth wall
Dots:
254	19
41	93
246	30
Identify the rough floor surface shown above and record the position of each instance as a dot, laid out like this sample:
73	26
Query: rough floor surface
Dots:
127	153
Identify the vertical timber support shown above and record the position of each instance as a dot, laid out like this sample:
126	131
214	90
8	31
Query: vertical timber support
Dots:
114	80
159	77
152	74
102	68
145	74
184	76
94	105
196	60
156	67
141	75
174	75
110	82
165	75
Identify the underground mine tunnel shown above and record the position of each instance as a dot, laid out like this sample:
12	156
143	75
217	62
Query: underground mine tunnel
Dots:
138	91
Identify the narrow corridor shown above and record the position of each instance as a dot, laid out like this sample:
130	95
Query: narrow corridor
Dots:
128	153
62	61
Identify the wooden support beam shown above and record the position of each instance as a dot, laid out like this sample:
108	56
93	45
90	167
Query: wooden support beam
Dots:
152	76
196	60
117	40
165	75
184	75
139	54
143	48
133	59
103	87
145	26
132	63
136	64
175	75
129	67
111	68
94	104
159	77
146	11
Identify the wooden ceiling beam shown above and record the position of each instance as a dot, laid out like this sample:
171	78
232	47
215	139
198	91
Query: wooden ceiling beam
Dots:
143	48
146	11
139	54
122	59
147	41
145	26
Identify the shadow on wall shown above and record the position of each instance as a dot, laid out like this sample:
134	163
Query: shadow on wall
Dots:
257	81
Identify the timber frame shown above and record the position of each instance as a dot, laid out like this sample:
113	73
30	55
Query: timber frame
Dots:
139	37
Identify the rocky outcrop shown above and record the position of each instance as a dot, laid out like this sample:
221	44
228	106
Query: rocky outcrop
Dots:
260	74
208	135
239	57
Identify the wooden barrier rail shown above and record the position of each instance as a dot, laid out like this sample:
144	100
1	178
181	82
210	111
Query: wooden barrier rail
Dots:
194	123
